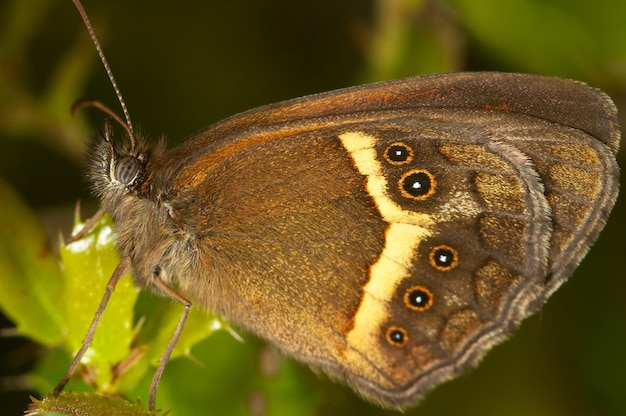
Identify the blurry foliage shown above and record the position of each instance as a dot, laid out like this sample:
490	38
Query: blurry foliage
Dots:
86	404
182	66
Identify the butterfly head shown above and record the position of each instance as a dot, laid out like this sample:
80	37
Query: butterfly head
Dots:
117	167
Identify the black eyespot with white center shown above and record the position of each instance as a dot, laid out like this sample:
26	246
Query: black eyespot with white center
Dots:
397	336
443	258
398	154
418	298
417	184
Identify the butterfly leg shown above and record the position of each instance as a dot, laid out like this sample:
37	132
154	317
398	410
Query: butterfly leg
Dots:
120	270
89	224
167	291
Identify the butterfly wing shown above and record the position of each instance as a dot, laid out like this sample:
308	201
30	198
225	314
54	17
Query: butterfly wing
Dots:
391	234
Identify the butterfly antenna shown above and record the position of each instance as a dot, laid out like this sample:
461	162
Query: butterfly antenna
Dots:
128	125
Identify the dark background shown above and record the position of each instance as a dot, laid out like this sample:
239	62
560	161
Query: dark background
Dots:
183	65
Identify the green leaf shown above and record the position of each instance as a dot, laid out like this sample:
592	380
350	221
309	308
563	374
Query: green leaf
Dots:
29	273
122	354
88	265
86	404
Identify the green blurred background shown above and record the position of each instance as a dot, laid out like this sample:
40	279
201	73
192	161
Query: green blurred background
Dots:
183	65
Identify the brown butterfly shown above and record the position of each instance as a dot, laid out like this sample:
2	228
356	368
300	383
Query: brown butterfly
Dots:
388	234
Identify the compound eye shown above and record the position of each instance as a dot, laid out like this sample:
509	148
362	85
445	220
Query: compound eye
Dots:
127	170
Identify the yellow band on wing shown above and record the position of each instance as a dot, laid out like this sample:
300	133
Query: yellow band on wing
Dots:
405	231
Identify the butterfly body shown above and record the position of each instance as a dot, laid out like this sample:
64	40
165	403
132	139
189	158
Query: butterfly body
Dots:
387	234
